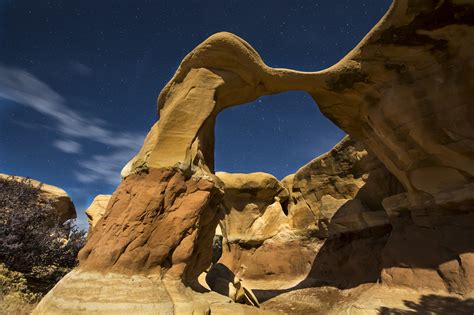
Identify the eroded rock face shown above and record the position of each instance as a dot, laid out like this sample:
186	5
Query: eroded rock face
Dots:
430	247
154	238
253	204
327	211
405	91
58	198
157	222
340	191
337	233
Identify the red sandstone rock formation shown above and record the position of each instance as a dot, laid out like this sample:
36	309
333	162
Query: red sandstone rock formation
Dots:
159	222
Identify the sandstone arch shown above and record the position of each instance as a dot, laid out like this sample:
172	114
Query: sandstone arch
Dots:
390	92
358	94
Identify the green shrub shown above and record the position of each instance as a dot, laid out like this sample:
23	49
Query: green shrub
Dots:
36	248
15	296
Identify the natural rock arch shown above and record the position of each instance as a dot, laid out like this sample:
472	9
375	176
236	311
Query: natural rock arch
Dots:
221	72
390	92
225	71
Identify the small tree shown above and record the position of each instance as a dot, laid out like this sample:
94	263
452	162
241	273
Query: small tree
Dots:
33	240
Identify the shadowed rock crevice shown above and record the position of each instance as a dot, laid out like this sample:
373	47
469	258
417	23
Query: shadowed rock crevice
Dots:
342	262
433	304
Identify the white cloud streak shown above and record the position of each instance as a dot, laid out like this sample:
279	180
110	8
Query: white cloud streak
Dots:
104	167
80	68
25	89
68	146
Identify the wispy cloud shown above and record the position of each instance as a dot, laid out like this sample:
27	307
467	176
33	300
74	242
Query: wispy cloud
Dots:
80	68
68	146
24	88
104	167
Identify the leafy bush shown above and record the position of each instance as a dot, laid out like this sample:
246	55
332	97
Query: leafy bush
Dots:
16	298
33	240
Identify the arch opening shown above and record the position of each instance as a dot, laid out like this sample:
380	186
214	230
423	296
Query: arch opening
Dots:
275	134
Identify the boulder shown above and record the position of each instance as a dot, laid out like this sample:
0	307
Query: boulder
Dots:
58	198
253	206
96	209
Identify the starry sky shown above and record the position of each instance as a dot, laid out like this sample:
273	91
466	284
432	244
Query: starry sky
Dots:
79	81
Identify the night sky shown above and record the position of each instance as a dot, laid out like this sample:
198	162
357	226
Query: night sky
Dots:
79	81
